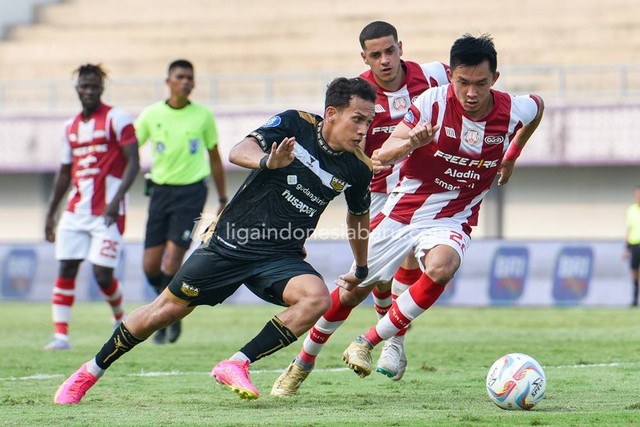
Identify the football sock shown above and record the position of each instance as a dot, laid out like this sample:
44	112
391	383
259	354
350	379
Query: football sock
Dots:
63	298
421	295
402	280
113	295
120	342
273	337
635	293
240	357
320	333
381	301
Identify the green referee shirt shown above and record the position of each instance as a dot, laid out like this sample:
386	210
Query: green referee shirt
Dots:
180	140
633	224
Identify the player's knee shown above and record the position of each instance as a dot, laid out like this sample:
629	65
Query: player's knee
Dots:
441	274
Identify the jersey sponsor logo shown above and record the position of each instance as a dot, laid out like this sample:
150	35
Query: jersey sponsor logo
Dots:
493	139
574	267
301	206
379	109
450	132
469	174
471	137
272	122
194	145
188	290
383	129
81	173
90	149
87	161
465	161
292	179
446	185
315	199
337	184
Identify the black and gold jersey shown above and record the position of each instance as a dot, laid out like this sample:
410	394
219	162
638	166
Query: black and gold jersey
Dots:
275	211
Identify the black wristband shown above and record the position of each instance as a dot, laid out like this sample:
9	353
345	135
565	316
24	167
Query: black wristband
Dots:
361	272
263	162
223	200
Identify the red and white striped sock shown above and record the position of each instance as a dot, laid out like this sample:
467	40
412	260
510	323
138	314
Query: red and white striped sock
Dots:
63	298
422	295
320	333
381	302
402	280
113	296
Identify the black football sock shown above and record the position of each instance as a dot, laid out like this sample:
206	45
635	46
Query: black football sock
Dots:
120	342
271	338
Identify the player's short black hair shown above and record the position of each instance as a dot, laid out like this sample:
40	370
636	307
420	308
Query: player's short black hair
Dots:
180	63
341	89
470	50
96	69
377	29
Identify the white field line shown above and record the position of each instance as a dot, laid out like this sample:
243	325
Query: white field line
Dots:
277	371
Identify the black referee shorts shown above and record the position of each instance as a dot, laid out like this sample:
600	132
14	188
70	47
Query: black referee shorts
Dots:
173	212
635	256
208	278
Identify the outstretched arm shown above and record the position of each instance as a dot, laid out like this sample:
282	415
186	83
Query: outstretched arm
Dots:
403	141
248	154
518	143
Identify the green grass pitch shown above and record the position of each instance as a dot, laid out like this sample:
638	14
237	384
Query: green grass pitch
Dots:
591	358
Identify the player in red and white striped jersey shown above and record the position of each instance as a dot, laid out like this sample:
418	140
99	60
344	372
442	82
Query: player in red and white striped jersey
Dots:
100	161
457	138
397	84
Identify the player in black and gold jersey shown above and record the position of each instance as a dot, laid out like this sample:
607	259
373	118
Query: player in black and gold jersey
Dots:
300	162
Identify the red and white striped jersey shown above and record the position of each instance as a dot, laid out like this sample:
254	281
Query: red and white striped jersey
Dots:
92	148
390	107
449	177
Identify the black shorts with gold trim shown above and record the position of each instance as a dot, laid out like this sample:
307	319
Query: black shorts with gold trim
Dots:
209	278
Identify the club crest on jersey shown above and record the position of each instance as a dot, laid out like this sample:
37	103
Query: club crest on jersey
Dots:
194	144
471	137
160	147
401	103
272	122
190	291
337	184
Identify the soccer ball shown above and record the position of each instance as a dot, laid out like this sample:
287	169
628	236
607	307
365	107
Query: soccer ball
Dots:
516	381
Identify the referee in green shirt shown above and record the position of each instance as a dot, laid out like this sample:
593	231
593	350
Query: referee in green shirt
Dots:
184	143
633	243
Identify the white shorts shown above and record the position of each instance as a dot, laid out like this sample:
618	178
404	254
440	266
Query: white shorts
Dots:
86	236
377	203
392	241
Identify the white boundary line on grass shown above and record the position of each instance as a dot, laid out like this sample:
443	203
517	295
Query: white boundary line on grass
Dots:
268	371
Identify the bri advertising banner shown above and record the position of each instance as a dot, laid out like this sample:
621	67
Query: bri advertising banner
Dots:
494	272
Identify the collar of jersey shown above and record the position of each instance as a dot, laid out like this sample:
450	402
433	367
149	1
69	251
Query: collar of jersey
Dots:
323	144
